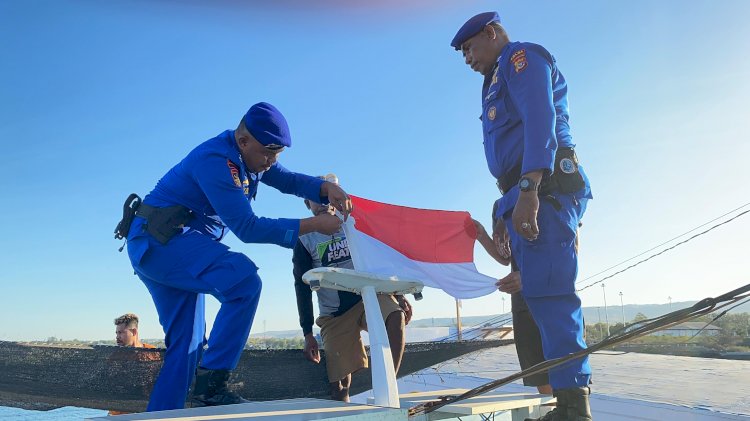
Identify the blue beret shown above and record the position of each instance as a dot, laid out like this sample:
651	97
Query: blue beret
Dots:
472	27
268	126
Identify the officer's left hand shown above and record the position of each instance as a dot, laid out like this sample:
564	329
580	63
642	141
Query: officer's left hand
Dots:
524	215
337	197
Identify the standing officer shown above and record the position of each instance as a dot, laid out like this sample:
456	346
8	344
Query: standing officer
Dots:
529	150
173	244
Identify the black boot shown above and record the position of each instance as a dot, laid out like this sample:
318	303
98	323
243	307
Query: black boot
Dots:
572	405
556	413
212	388
577	400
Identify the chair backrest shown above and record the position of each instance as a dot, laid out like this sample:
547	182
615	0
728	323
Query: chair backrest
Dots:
353	281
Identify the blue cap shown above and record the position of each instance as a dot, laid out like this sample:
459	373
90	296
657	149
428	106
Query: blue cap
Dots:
268	126
472	27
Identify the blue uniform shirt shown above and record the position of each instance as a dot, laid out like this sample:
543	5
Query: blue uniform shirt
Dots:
214	183
524	110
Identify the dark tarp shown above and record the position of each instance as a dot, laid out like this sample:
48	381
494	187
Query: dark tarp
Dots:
116	378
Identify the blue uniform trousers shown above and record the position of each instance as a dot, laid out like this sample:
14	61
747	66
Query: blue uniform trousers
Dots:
178	275
549	266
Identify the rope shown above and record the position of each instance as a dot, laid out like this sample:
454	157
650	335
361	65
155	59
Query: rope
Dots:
666	242
700	308
716	318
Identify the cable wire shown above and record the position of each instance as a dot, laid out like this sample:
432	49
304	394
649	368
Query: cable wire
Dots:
662	252
665	242
722	314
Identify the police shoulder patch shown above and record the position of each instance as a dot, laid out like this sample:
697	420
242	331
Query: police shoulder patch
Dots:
235	173
519	60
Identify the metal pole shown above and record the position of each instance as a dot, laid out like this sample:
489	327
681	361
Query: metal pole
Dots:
599	313
503	298
384	386
670	303
622	307
606	316
458	318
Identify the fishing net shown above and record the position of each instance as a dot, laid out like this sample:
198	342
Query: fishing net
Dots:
117	378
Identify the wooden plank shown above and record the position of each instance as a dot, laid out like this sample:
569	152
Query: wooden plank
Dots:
487	403
284	410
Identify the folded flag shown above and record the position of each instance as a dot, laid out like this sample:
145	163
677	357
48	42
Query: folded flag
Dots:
432	246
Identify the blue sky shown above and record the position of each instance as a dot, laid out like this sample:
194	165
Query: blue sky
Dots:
99	99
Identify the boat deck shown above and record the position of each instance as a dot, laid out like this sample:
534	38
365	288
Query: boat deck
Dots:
626	386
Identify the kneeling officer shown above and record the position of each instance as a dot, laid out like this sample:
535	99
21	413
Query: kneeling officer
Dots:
173	241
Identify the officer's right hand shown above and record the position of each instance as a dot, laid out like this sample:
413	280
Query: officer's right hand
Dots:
327	224
311	350
525	215
337	197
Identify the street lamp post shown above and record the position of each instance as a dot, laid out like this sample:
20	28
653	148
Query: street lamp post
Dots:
503	298
622	307
670	303
606	316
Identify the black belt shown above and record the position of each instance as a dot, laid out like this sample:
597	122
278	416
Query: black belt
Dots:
510	178
565	177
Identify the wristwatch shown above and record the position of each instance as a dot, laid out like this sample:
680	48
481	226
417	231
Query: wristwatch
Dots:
526	184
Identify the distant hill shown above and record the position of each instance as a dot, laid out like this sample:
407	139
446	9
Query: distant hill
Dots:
282	334
615	312
591	315
451	321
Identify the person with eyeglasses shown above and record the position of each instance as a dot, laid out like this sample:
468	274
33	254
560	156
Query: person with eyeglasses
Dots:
174	245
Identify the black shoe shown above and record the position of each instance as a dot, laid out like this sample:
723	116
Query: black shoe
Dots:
212	388
577	403
572	405
554	415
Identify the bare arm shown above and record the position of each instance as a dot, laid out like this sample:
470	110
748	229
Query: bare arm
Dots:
501	253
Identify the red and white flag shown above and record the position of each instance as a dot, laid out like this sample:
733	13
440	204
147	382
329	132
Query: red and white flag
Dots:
432	246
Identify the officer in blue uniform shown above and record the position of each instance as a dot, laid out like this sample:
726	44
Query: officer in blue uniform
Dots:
174	246
529	150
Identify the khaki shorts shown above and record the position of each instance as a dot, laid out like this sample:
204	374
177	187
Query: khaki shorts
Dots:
342	343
